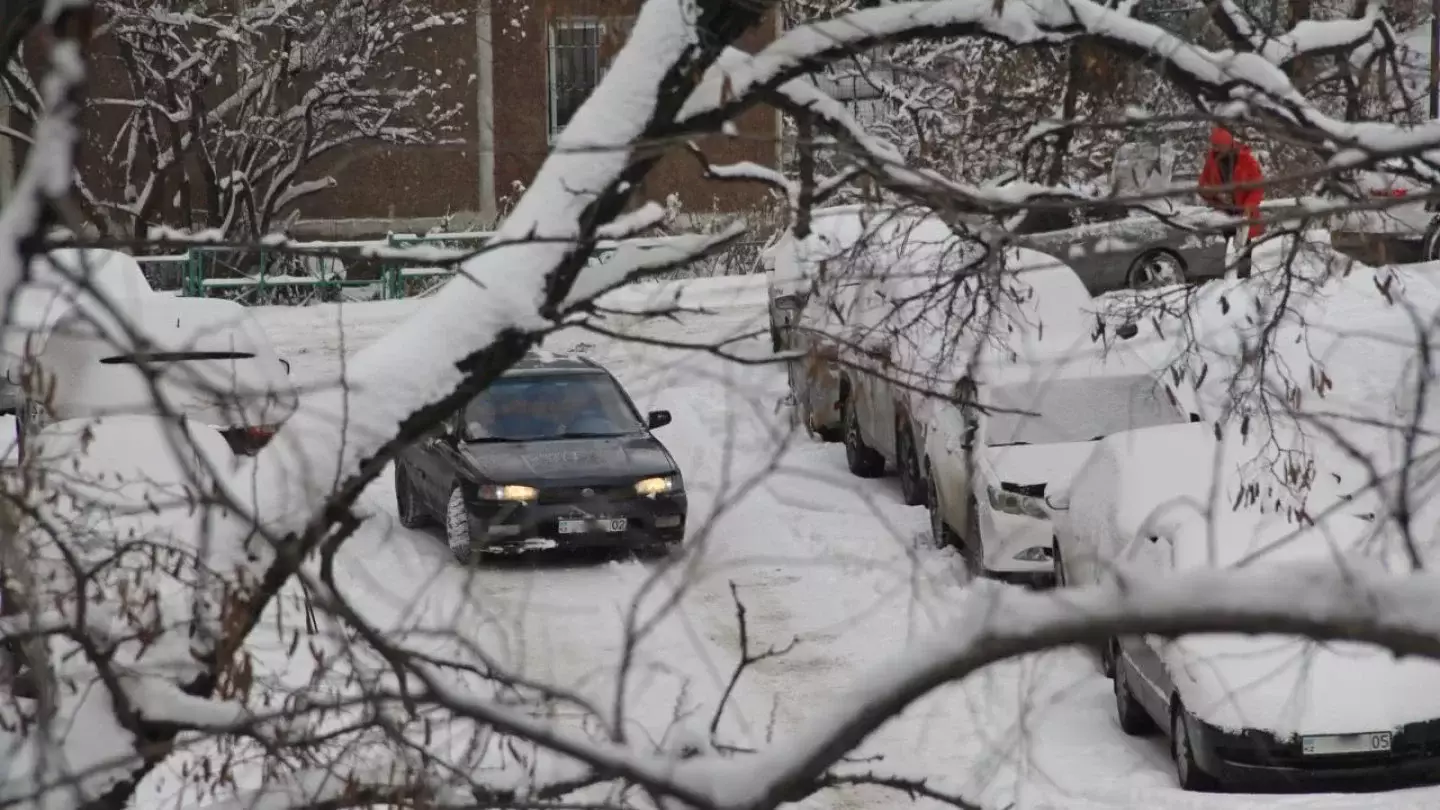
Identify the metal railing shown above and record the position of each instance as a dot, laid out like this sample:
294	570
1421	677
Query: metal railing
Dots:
261	275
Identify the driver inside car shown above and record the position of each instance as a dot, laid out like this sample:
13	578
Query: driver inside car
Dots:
584	412
519	414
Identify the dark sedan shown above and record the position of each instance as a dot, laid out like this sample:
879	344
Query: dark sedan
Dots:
553	455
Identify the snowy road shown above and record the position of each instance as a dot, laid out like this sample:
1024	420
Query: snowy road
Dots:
834	562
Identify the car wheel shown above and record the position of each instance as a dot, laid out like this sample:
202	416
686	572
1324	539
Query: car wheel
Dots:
457	527
972	548
940	534
912	488
1156	268
1187	772
407	506
1133	719
1106	653
862	461
1060	581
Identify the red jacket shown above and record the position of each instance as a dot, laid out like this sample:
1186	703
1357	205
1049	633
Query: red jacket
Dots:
1244	169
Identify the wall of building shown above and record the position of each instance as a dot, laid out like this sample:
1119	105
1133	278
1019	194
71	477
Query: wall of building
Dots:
521	65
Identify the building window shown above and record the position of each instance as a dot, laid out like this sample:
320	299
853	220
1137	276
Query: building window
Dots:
574	67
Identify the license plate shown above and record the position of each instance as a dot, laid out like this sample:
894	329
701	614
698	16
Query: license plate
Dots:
577	526
1374	742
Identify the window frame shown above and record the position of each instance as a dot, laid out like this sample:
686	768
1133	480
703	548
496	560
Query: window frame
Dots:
552	54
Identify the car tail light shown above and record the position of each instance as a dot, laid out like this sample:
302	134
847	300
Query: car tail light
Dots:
1391	192
247	441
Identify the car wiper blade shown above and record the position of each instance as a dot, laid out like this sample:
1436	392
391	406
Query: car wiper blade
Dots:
501	439
588	435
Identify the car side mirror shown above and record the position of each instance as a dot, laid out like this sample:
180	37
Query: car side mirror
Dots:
658	419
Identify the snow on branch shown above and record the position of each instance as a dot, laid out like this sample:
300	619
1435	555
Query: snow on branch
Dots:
748	171
1250	82
1308	37
219	128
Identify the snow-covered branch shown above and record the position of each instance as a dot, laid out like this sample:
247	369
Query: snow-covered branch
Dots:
994	623
1308	37
220	130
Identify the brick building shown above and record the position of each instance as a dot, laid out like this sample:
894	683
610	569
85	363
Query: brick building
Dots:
517	70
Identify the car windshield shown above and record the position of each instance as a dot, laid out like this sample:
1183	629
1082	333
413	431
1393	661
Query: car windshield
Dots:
534	407
1078	409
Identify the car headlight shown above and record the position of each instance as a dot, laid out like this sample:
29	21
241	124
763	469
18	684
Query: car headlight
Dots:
1013	503
1035	554
507	492
659	485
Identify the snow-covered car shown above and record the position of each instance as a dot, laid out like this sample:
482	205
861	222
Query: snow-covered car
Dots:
828	292
60	281
1401	231
841	245
1242	711
888	390
991	466
210	360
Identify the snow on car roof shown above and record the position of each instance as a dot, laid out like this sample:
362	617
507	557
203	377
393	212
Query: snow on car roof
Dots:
838	233
243	382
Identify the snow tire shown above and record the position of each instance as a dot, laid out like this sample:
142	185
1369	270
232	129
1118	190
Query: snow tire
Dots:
457	528
862	461
1187	771
1133	719
912	482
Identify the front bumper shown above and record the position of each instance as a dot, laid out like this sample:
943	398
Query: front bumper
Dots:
1257	761
1011	549
513	528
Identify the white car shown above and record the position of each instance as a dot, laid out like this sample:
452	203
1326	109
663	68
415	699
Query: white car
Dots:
928	340
211	360
1241	711
991	469
61	281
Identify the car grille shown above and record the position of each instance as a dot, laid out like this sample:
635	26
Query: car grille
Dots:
600	494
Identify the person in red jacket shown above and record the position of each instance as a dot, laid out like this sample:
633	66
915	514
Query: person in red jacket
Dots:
1230	164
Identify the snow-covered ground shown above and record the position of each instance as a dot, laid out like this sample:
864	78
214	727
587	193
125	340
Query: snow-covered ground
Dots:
836	563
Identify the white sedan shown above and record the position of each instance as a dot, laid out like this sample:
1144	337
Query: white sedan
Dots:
991	468
1241	711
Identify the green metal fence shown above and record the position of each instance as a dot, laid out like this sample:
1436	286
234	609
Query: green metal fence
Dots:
269	276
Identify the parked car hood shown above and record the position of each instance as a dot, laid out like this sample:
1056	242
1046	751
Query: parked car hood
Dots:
569	460
1053	465
1287	685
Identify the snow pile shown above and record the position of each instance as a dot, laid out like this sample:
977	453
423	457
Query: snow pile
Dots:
139	565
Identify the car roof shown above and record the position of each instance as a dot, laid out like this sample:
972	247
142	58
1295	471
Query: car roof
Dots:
546	363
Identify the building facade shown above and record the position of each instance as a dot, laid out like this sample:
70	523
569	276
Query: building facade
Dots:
516	70
531	64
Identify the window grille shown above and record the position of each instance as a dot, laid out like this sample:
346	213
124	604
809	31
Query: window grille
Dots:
575	67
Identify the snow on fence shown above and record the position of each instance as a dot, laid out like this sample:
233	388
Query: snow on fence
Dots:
265	276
